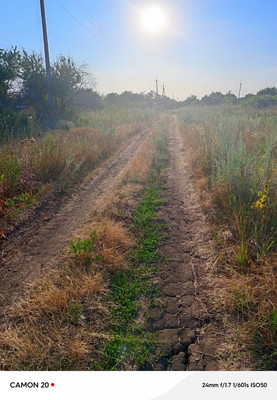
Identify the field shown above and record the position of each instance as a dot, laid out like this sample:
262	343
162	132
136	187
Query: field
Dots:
141	239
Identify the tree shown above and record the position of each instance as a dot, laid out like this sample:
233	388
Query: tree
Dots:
68	85
33	91
268	91
23	88
213	99
262	101
112	99
88	99
68	79
230	98
9	67
191	101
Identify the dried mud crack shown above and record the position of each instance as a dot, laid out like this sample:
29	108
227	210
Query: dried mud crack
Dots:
33	253
189	333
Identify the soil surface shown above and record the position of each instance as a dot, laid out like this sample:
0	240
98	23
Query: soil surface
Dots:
187	328
40	245
189	331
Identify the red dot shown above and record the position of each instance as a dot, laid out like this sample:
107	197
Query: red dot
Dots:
52	384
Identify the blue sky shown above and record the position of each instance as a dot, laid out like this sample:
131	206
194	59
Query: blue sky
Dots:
209	45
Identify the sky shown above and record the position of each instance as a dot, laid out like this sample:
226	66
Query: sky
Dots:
203	46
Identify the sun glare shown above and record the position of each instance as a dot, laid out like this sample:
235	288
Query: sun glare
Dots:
153	19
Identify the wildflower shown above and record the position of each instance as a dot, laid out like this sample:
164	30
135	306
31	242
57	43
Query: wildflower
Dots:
261	202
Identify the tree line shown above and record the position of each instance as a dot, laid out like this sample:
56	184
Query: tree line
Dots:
24	98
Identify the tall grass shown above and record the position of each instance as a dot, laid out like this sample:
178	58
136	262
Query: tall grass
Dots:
236	150
62	155
108	119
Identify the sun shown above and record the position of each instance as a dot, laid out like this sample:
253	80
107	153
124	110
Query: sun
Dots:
153	19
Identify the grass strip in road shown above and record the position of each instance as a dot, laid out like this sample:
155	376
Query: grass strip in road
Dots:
132	346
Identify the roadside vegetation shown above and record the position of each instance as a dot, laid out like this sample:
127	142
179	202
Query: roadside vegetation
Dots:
30	167
233	155
85	315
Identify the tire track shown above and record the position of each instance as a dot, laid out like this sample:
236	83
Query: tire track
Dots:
31	255
187	329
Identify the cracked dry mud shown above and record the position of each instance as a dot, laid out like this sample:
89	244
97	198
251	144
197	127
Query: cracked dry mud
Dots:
42	246
189	333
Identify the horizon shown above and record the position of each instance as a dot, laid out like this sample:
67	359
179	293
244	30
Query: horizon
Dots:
201	46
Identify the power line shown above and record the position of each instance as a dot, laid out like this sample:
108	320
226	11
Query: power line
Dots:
114	50
105	34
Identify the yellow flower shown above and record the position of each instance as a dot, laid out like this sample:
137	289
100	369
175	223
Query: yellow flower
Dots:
261	202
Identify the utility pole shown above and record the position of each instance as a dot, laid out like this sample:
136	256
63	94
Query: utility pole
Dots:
157	87
240	85
163	91
47	62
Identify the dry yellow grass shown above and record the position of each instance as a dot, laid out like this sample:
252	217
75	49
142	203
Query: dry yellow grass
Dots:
56	320
61	320
113	241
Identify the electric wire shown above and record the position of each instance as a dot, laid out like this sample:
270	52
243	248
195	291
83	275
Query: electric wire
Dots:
105	34
115	52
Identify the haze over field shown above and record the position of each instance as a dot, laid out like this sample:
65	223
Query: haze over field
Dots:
193	47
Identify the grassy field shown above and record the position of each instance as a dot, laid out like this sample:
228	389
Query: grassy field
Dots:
233	153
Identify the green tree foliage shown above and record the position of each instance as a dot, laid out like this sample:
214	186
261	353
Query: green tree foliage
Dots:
33	91
191	101
230	98
213	99
88	99
24	96
9	67
68	79
264	98
268	91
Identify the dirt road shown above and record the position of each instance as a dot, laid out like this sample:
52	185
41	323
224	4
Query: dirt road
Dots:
41	246
187	328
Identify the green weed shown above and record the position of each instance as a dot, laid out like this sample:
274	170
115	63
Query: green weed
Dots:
264	353
242	256
81	247
75	313
20	203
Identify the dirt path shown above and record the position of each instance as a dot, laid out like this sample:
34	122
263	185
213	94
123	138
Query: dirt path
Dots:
36	251
189	331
